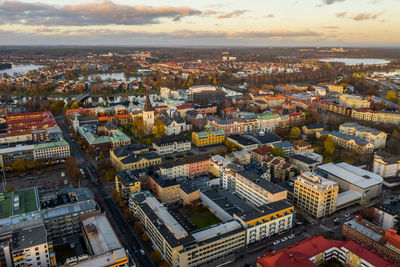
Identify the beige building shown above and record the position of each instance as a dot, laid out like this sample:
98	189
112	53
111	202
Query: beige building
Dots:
208	246
315	195
377	138
376	116
353	101
352	143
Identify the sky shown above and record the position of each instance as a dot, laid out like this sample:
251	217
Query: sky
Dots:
201	22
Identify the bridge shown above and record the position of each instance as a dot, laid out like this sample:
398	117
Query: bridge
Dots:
85	94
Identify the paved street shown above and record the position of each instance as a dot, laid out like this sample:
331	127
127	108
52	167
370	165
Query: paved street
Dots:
114	213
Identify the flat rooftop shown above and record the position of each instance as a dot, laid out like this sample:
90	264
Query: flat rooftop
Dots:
101	236
19	202
29	237
351	174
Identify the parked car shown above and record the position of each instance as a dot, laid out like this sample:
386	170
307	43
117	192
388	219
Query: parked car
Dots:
276	242
292	236
142	252
284	239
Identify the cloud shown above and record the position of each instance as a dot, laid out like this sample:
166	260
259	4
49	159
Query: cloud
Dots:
330	27
270	16
366	16
341	14
209	12
91	13
235	13
359	16
330	2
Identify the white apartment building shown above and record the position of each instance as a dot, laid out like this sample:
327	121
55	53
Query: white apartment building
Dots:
52	150
172	144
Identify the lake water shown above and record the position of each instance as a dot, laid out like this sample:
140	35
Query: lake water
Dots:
21	69
357	61
119	76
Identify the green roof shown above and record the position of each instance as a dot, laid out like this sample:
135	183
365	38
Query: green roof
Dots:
269	116
19	202
94	139
62	142
205	134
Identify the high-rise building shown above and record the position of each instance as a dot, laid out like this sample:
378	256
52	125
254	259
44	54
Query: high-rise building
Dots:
315	195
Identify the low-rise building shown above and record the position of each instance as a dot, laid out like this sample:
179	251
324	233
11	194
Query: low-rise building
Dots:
316	250
300	146
170	144
352	143
354	101
348	177
385	243
377	138
386	214
105	249
312	129
133	157
186	167
387	166
303	163
126	183
244	143
208	137
286	147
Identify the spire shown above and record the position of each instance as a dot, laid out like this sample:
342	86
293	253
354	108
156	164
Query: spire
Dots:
147	105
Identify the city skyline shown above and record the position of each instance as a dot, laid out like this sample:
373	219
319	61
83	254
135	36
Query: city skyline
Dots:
190	23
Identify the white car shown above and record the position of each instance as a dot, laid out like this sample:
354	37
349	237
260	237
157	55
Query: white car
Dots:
292	236
284	239
276	242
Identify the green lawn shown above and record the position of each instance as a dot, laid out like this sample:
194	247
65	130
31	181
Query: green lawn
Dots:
201	217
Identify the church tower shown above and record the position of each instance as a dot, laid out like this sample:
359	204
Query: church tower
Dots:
148	115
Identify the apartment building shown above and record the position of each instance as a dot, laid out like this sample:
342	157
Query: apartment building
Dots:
186	167
252	187
312	129
279	169
264	221
31	247
387	166
387	117
335	88
353	101
235	126
316	250
333	106
208	137
384	243
386	214
180	247
303	163
352	143
217	165
315	195
126	183
133	157
170	144
103	244
377	138
52	150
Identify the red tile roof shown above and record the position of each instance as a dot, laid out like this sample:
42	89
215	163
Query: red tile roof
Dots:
298	254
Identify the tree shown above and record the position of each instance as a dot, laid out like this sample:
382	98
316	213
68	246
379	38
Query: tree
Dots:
19	165
138	126
137	227
278	152
295	133
156	256
391	96
159	128
368	213
75	105
164	263
329	145
145	237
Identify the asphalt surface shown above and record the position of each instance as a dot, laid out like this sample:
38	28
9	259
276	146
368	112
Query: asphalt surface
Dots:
92	175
